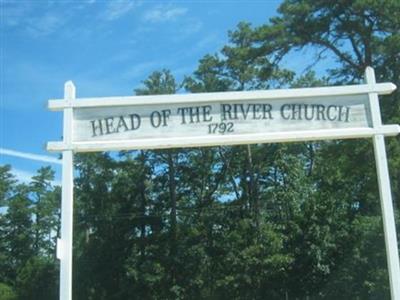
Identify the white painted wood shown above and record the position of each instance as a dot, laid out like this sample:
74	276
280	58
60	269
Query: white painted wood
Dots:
67	200
389	225
364	121
226	118
60	249
66	226
69	95
380	88
205	141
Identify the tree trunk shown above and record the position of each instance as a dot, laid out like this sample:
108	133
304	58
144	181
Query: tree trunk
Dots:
253	188
142	219
172	195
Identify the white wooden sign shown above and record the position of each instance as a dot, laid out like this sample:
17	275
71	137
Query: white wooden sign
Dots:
228	118
220	118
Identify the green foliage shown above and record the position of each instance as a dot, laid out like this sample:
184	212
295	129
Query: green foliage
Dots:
45	210
18	231
207	78
298	221
37	279
361	272
357	34
158	83
27	249
6	183
6	292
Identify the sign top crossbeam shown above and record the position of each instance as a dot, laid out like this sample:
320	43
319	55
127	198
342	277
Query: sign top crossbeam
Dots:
298	93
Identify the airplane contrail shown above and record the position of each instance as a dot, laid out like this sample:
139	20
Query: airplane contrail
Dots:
31	156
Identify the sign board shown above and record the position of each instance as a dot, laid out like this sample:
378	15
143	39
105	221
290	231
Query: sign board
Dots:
220	118
229	118
188	120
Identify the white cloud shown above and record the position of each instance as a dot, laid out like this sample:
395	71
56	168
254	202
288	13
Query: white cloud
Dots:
41	19
191	27
164	14
14	13
118	8
26	177
31	156
45	25
209	40
22	176
142	70
183	70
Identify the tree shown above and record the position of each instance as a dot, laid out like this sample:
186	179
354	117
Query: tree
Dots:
46	203
158	83
101	228
6	292
7	181
37	279
23	243
357	34
164	83
18	237
298	221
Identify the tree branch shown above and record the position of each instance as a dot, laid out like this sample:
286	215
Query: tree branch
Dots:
338	53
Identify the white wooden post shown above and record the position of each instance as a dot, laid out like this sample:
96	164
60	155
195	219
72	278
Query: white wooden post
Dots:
64	247
389	225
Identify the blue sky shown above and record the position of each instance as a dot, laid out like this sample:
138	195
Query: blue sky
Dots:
106	48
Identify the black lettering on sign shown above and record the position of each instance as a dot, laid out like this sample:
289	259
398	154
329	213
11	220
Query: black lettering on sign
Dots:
320	112
267	111
222	128
97	129
135	121
206	113
155	119
158	119
344	112
256	111
296	112
317	112
347	114
181	111
245	112
253	111
307	110
121	125
329	114
109	125
226	112
165	116
284	109
195	114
